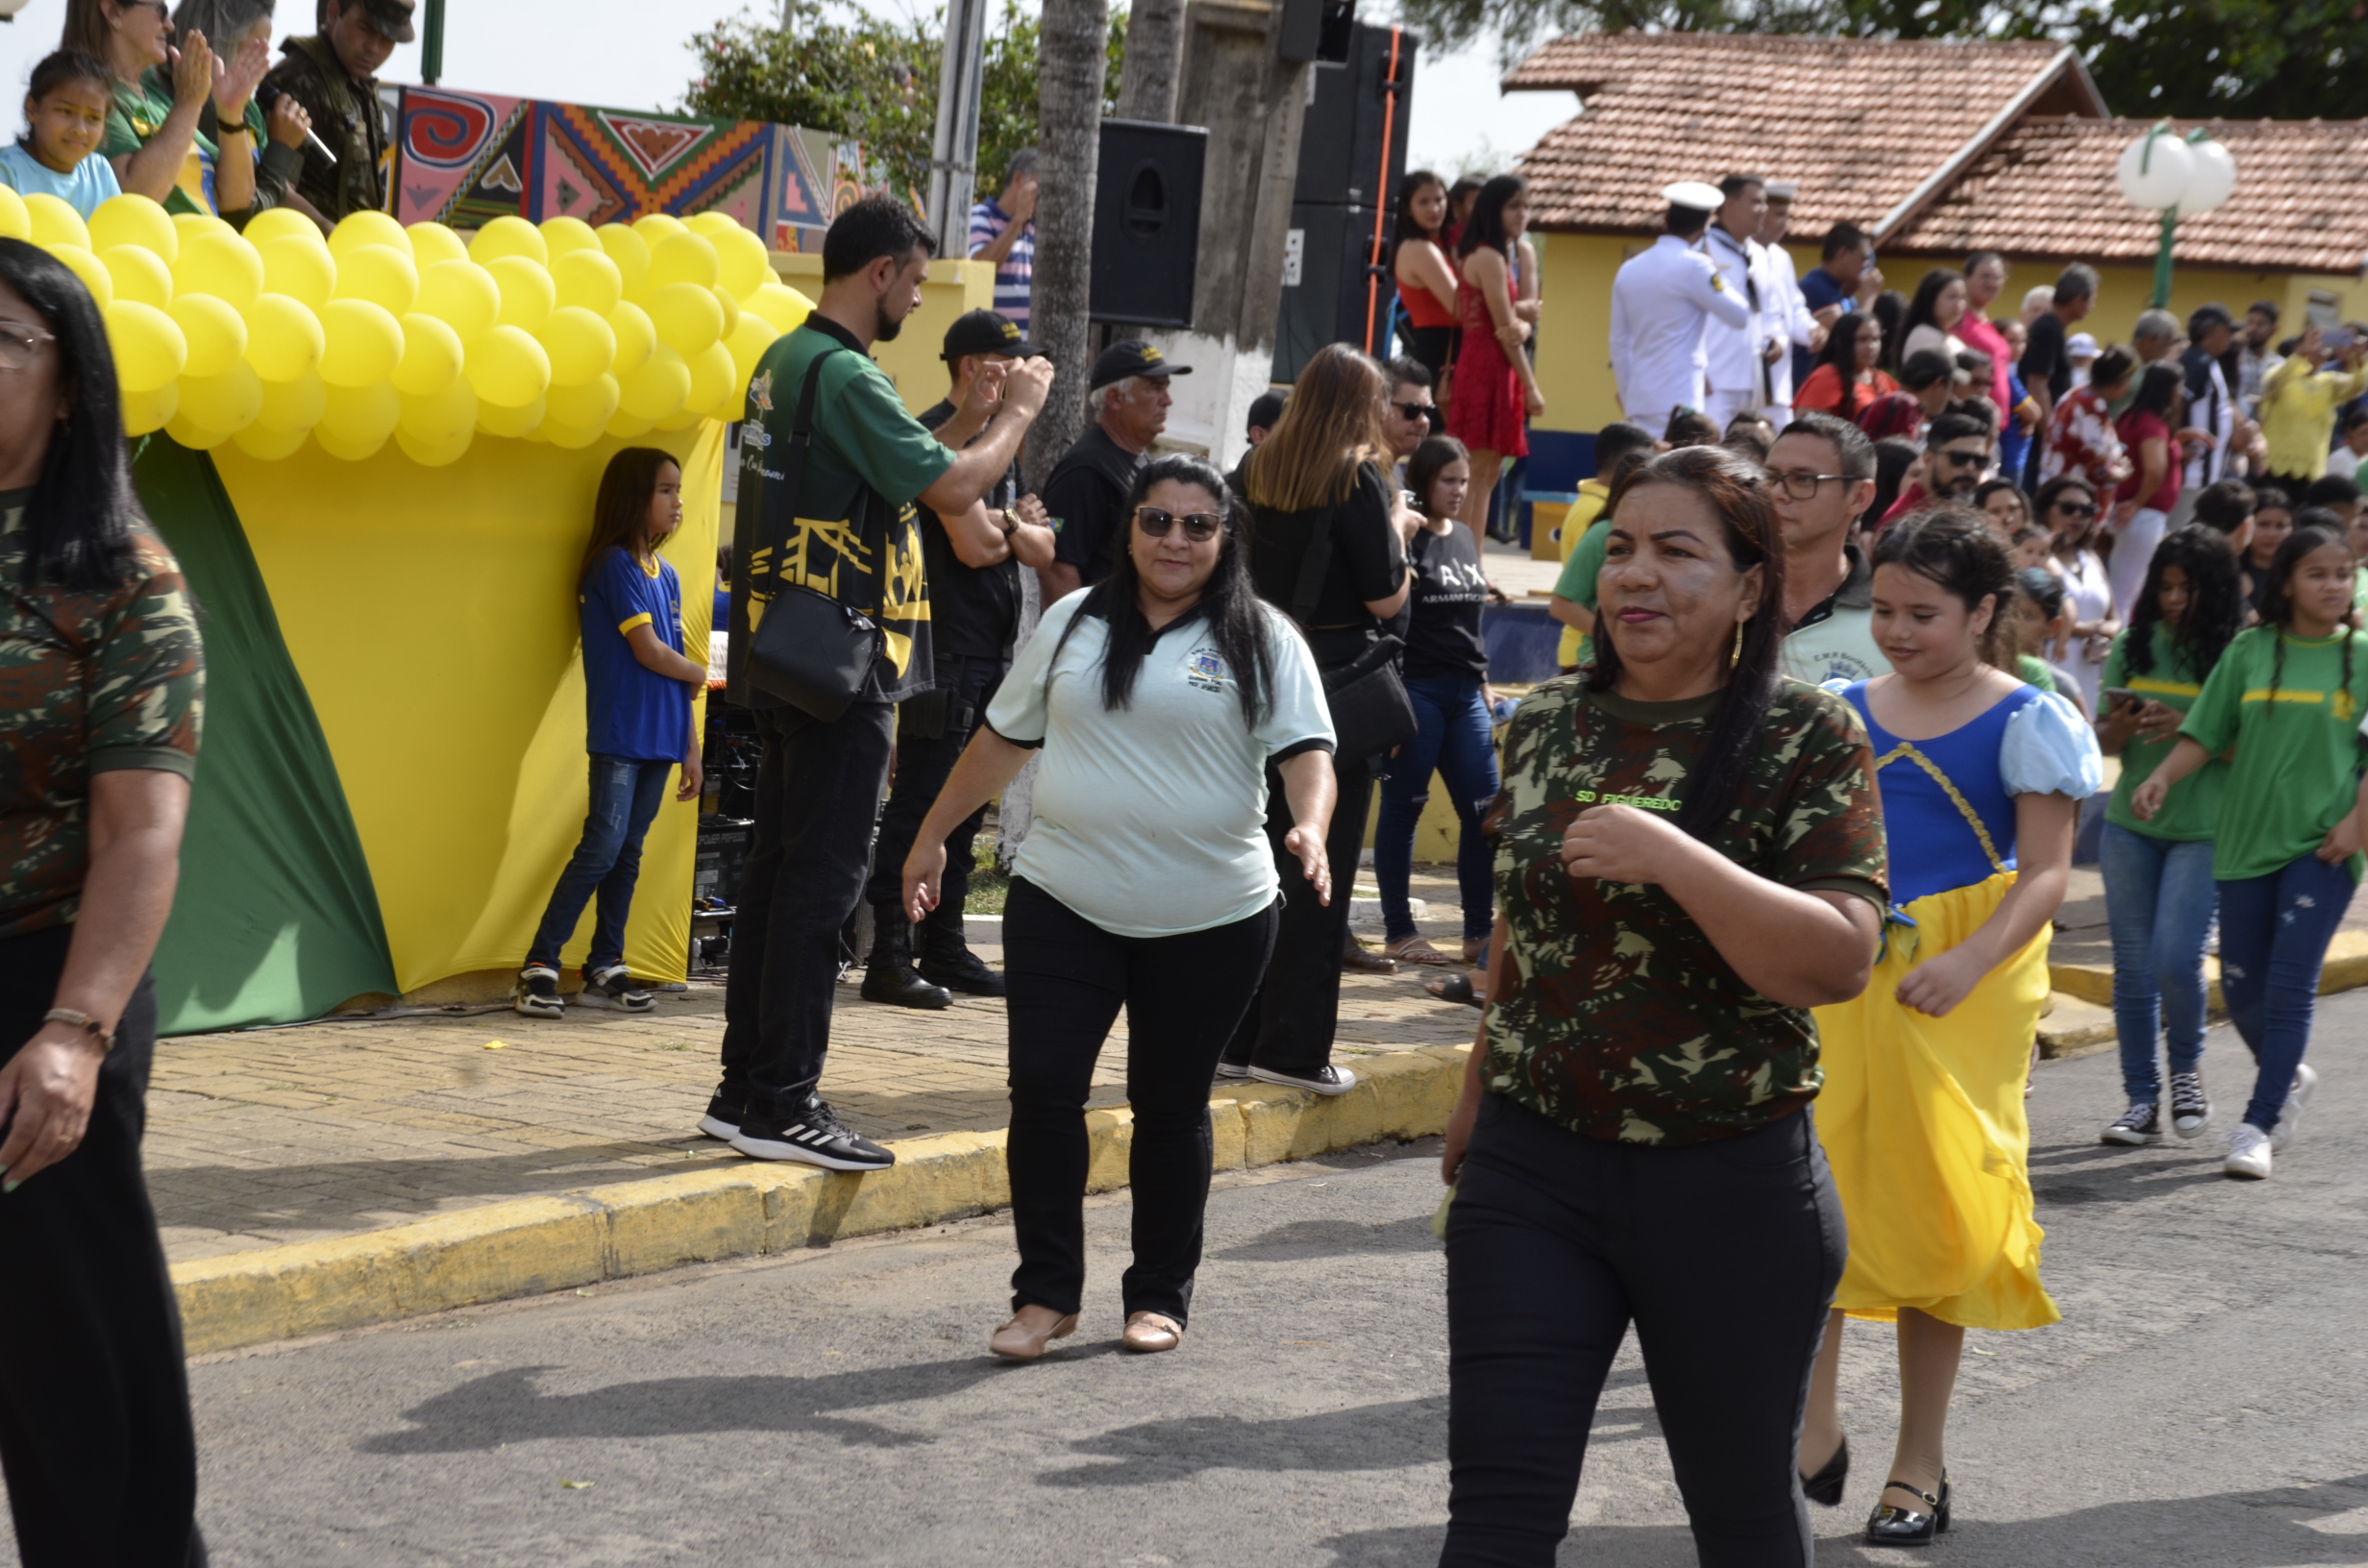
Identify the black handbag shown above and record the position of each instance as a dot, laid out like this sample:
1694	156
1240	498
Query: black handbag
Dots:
808	650
1371	711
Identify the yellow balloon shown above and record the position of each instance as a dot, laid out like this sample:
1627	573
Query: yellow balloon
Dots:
509	369
300	268
731	304
187	433
589	406
282	223
55	222
630	252
134	220
748	343
588	279
217	335
380	274
686	317
149	349
635	337
146	412
462	295
744	265
228	402
565	236
294	405
569	437
626	427
138	274
711	381
442	418
433	242
517	423
357	230
658	226
506	237
190	225
528	297
681	259
658	388
16	223
580	345
431	357
434	455
263	443
284	340
710	222
90	270
218	261
358	420
780	305
363	343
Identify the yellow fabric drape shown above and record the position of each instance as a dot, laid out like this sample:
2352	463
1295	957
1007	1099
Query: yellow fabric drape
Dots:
431	613
1922	1122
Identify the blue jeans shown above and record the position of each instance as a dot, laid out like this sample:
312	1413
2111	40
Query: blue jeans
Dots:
1453	741
625	794
2159	900
2274	932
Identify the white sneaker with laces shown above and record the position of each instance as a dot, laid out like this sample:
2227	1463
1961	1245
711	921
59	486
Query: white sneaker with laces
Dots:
2290	1117
2248	1157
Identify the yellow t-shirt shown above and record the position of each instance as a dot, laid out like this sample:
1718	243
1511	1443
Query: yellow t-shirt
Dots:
1594	497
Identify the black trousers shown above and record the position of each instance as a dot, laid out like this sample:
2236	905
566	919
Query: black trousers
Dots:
931	734
817	798
1290	1022
1723	1255
95	1436
1068	978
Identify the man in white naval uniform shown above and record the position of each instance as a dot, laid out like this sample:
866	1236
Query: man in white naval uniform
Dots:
1662	300
1790	313
1741	358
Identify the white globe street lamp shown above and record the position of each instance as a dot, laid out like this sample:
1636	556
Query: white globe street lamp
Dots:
2165	174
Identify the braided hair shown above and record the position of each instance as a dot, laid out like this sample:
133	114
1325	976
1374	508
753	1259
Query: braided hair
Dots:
2314	529
2215	610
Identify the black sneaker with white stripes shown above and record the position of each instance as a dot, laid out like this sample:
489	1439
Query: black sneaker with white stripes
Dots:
537	993
813	1135
613	987
2139	1126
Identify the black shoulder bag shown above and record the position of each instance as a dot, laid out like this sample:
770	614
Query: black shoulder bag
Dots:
1371	711
809	651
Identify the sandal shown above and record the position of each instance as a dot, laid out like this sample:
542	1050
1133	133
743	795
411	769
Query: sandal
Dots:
1416	950
1455	987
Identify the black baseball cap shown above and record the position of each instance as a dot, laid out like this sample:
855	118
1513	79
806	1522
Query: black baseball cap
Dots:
985	331
1265	409
390	18
1131	356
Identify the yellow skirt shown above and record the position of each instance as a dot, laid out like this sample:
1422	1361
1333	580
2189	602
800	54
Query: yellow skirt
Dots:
1922	1121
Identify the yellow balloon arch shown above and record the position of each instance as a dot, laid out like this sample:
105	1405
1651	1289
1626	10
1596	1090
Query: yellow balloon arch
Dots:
557	333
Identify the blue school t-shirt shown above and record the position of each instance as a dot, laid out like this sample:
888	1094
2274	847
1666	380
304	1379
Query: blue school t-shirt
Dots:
630	710
82	188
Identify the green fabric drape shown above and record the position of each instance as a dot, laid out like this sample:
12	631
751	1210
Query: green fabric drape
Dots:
276	919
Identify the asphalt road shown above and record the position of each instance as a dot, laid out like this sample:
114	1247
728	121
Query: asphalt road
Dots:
2204	1402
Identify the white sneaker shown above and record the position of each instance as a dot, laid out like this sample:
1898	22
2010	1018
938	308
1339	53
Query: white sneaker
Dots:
2290	1117
2248	1157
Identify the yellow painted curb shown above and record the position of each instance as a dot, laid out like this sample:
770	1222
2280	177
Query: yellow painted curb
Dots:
526	1246
2346	969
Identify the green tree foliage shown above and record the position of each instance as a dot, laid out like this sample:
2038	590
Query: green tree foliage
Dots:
873	81
2191	59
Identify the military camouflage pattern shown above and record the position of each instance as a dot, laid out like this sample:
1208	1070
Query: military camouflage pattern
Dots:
1623	1022
90	682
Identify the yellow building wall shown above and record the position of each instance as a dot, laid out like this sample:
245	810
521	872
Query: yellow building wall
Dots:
913	361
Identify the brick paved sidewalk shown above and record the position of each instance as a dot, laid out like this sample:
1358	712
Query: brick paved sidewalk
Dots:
268	1137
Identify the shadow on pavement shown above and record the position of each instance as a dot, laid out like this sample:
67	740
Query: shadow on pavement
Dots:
1306	1239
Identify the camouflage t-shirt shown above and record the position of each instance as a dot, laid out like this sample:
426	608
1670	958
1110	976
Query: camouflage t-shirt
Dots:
1624	1023
90	682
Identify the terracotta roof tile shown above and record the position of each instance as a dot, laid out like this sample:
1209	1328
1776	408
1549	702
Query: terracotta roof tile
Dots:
2047	189
1858	123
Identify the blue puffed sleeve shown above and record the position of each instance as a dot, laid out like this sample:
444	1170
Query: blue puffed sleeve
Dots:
2048	749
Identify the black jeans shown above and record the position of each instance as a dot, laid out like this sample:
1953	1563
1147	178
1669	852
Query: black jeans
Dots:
1068	978
1723	1255
1290	1022
817	798
95	1398
932	732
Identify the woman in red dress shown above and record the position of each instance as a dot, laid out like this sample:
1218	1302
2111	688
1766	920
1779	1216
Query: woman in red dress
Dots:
1425	275
1496	388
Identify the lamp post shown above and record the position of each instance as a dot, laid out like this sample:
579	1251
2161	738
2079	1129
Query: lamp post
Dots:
2164	173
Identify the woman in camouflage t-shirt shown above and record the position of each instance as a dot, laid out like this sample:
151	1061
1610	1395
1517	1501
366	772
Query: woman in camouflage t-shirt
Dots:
1690	857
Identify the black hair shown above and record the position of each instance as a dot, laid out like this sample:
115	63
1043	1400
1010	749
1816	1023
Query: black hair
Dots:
2215	602
2317	516
1926	367
1685	222
1954	426
1430	459
2354	417
2271	497
2313	530
1406	370
1842	352
1891	308
2077	282
875	226
1894	456
1999	487
2266	307
2158	390
1747	443
1407	228
2043	505
1955	549
1690	427
1734	184
1488	217
2112	367
2331	490
621	507
60	68
1229	605
1854	453
1979	256
84	511
2043	589
1737	495
1842	236
2226	504
1616	439
1928	297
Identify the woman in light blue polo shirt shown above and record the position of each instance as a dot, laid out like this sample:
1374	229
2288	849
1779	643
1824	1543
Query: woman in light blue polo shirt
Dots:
1158	698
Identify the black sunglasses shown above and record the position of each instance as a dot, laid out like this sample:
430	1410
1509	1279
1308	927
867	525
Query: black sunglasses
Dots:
1417	410
1198	527
1963	459
2074	509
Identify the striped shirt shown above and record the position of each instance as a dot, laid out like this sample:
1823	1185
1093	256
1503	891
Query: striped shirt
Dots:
1013	275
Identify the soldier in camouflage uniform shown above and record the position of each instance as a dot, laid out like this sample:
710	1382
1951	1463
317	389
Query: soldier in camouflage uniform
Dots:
333	75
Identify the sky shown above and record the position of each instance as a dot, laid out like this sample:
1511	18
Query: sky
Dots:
632	53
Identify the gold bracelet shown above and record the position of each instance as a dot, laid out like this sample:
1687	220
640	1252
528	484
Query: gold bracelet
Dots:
83	1021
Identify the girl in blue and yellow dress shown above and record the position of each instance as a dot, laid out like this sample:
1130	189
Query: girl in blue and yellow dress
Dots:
1922	1116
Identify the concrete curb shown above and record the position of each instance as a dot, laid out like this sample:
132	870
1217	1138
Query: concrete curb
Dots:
527	1246
2346	969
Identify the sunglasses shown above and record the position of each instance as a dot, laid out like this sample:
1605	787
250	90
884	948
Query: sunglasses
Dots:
1198	527
2074	509
1417	410
1962	460
19	344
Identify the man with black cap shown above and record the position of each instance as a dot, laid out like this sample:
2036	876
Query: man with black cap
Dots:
333	75
1086	492
973	620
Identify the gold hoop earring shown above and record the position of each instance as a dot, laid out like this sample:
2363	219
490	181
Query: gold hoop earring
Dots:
1736	657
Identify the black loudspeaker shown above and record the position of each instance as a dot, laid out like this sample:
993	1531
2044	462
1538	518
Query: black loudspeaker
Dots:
1147	223
1352	156
1317	29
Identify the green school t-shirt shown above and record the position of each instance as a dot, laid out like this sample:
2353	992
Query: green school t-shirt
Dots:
2192	811
2294	724
1577	584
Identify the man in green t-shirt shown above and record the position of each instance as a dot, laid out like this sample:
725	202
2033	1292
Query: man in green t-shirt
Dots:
846	527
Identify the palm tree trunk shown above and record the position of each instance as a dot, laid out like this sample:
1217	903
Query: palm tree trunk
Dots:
1069	75
1154	64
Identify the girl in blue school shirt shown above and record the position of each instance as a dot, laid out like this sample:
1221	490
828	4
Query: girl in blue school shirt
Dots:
65	119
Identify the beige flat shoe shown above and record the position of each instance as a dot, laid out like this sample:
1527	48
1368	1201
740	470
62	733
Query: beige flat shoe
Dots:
1016	1341
1150	1332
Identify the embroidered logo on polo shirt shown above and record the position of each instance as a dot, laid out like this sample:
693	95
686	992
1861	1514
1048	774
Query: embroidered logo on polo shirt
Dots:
1205	669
